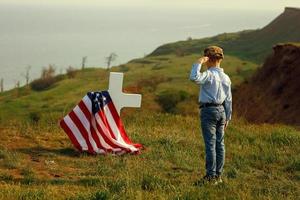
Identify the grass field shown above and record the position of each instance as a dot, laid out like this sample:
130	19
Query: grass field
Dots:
262	162
37	160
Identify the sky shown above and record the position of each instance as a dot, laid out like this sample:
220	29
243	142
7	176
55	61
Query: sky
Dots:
168	4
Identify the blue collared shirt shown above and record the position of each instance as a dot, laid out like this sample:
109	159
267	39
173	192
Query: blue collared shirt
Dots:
215	87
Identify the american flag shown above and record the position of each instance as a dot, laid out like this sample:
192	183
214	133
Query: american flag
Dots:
94	126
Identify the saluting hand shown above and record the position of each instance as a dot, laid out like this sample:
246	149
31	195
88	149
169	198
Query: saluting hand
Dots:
203	60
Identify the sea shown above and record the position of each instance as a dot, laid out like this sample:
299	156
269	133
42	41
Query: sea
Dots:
35	36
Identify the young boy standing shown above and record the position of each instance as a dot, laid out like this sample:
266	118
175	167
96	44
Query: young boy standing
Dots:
216	107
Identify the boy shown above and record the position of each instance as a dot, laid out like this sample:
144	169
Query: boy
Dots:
216	106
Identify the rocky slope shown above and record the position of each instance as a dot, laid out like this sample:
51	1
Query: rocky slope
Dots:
272	94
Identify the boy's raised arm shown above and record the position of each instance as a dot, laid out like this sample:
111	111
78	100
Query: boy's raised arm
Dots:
196	75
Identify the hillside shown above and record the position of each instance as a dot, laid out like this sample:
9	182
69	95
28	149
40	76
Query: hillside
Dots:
271	95
38	161
251	45
151	76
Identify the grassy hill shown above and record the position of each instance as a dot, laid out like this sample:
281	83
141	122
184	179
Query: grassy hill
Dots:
37	160
252	45
150	76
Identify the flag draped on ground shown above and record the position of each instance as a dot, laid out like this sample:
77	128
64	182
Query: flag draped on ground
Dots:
94	125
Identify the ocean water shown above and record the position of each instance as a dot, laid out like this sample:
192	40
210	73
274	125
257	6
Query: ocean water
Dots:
37	36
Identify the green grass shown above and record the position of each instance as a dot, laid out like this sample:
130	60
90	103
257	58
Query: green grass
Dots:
262	162
37	160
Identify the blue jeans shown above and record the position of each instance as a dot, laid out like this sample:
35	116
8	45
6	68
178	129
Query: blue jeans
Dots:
212	122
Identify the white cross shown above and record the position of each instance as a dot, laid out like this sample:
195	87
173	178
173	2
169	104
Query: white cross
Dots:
119	98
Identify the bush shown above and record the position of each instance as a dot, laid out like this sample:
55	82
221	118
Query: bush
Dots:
168	99
42	84
47	79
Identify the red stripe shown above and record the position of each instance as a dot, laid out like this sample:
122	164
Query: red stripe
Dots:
112	142
88	115
100	135
69	132
85	110
106	139
107	125
104	120
120	125
119	122
82	130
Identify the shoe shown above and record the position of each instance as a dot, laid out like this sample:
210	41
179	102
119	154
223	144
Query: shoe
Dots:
217	180
206	179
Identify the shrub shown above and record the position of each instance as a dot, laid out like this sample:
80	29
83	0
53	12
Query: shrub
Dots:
168	99
42	83
47	79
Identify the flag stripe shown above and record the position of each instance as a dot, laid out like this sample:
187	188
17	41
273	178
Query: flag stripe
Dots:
76	132
103	143
88	115
119	123
86	125
70	134
105	133
121	126
116	130
108	131
104	120
82	130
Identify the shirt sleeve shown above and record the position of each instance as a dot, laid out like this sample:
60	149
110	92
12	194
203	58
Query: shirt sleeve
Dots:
228	103
197	76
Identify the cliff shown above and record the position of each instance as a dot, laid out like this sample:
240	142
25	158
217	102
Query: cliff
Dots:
272	94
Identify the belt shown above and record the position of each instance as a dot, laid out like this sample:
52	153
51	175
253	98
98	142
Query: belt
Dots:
203	105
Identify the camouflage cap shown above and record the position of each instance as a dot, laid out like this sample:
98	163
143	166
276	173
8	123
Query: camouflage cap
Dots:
214	52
